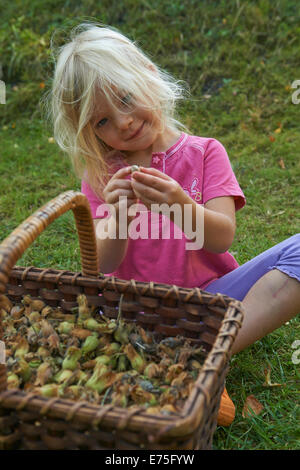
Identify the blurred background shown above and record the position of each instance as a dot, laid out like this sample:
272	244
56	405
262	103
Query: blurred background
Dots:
239	60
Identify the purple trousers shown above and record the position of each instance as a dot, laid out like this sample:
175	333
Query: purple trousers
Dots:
284	256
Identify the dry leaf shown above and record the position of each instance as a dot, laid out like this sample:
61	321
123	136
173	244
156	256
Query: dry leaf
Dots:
281	164
272	139
268	382
251	406
277	131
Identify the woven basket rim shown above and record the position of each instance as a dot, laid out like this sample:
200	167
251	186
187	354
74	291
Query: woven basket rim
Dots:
161	290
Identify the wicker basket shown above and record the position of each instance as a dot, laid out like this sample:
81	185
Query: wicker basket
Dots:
29	421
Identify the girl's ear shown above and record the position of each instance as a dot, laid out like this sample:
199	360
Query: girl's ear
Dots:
153	69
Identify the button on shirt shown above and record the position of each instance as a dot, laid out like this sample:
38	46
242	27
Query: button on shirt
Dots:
202	167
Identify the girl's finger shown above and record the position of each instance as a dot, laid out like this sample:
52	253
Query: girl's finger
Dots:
115	196
118	183
122	173
148	194
154	172
156	182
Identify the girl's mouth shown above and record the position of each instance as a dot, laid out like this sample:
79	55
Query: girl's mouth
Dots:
137	132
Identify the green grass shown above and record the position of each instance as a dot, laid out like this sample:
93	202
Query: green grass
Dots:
239	59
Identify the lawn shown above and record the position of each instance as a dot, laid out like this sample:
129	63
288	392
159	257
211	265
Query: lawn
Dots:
240	59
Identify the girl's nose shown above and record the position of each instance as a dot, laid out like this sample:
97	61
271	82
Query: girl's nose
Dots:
124	121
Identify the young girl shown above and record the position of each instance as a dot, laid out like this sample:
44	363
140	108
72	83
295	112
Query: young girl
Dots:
113	108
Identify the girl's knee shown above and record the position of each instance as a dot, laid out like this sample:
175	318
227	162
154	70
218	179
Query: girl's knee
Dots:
294	240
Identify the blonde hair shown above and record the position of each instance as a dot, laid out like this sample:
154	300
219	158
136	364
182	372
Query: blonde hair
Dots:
101	58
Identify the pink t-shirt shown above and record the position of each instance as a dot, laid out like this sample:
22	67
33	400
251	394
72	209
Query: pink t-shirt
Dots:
202	167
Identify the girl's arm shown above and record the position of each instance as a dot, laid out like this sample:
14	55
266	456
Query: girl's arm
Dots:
111	250
154	187
111	246
219	222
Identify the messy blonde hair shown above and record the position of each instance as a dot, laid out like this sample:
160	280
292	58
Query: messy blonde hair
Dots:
99	58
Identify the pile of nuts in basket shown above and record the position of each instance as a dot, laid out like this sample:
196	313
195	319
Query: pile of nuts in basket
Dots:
86	356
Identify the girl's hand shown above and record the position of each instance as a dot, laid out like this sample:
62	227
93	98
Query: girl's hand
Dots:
152	186
119	186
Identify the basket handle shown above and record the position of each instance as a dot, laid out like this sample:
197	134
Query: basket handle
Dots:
13	247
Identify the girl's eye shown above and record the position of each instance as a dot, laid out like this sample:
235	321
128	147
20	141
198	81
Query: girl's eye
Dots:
126	100
102	122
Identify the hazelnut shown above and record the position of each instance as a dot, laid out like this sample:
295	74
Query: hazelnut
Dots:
134	168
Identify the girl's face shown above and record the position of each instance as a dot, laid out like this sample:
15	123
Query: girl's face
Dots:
125	127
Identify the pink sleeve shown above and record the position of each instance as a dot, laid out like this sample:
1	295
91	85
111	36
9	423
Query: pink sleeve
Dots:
97	205
219	178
